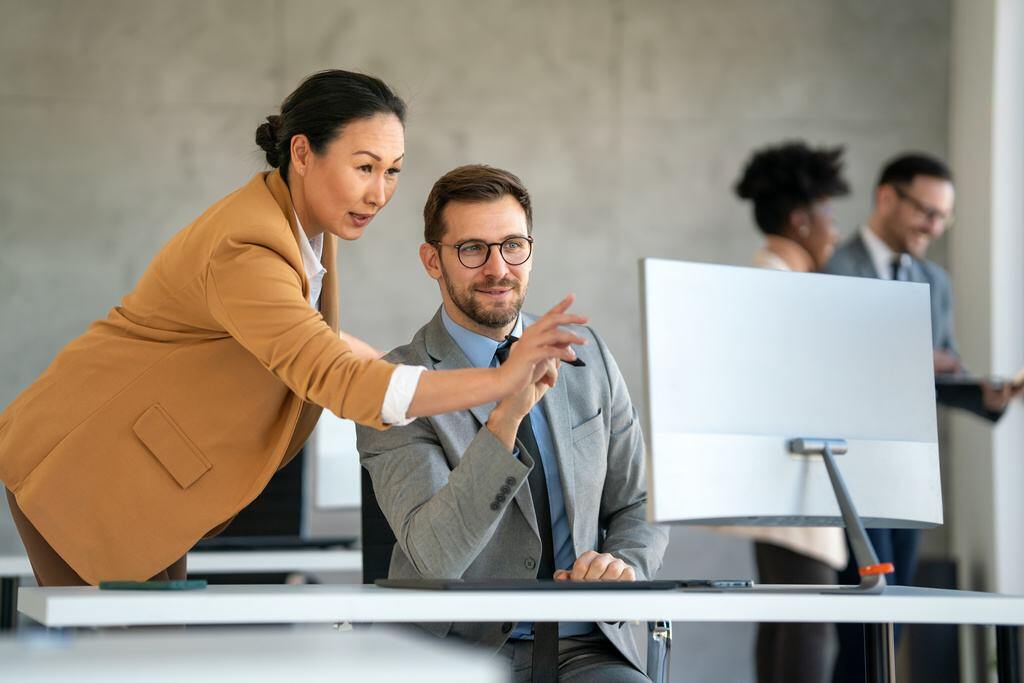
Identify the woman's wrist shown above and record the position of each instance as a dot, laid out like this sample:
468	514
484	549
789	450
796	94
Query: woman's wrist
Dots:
503	381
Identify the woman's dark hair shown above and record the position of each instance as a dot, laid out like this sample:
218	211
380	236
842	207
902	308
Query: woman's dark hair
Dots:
473	183
320	107
790	176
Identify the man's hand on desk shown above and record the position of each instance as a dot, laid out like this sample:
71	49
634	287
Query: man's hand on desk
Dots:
593	566
996	398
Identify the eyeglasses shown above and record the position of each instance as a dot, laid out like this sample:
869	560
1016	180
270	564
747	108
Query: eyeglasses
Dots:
474	253
929	212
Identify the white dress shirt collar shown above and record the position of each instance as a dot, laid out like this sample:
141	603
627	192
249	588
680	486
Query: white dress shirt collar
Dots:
312	251
478	349
881	255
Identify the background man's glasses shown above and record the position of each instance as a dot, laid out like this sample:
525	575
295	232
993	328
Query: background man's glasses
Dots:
474	253
929	212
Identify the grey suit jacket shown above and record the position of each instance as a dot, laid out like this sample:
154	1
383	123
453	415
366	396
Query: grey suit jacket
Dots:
459	502
852	258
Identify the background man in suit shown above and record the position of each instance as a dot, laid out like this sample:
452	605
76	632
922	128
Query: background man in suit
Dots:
913	207
548	483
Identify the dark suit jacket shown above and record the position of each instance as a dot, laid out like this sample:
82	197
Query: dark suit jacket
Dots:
852	258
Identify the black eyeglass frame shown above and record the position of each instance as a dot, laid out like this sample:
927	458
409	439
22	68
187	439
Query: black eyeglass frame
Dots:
930	212
458	249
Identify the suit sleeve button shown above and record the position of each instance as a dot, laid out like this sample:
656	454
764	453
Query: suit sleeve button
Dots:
495	506
506	489
531	563
500	498
510	481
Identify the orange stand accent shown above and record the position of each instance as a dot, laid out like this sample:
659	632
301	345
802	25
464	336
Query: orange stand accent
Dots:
881	568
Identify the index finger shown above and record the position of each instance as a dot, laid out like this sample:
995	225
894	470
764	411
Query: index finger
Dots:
551	320
563	305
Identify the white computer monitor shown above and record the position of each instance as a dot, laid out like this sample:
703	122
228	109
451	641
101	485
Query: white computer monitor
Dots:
739	361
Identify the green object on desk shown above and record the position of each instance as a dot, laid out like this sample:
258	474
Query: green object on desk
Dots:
180	585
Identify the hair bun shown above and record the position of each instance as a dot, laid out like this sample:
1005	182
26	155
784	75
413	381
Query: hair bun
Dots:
267	138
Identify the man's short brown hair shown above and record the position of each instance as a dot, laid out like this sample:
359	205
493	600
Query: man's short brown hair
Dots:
472	183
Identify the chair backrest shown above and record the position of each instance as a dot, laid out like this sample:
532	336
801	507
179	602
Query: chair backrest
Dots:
377	538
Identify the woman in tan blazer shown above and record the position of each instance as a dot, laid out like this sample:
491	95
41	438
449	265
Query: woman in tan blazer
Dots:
791	187
163	420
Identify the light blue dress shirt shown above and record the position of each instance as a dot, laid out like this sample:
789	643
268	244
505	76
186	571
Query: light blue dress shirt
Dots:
479	351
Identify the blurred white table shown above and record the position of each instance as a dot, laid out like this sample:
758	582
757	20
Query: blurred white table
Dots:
309	561
243	655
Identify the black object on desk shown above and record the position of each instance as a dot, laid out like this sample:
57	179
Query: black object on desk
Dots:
525	585
175	585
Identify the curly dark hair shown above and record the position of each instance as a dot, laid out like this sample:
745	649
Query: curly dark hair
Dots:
781	178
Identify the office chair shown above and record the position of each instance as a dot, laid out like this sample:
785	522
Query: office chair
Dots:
378	541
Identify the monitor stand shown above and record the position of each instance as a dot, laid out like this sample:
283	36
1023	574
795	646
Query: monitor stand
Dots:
872	572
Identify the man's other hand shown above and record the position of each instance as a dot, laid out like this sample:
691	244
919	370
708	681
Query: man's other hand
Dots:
520	403
594	566
996	398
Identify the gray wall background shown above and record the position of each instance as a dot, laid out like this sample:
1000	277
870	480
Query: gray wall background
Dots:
121	120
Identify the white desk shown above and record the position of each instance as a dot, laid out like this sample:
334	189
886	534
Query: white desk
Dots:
86	607
14	567
246	656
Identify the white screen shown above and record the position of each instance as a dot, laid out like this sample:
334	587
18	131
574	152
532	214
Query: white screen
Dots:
741	360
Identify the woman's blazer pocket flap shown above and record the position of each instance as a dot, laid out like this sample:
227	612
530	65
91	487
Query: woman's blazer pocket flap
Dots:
588	427
170	446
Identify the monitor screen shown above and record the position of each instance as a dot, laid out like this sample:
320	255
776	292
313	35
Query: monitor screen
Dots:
739	361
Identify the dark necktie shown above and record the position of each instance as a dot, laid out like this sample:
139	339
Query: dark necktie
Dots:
545	634
898	271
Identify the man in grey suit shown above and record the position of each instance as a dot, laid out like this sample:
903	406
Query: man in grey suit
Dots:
548	484
913	207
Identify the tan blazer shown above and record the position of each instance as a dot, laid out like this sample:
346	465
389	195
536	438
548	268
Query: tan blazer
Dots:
165	419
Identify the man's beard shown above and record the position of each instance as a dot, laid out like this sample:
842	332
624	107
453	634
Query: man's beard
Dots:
481	314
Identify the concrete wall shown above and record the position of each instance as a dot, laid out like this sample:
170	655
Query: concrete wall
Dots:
121	120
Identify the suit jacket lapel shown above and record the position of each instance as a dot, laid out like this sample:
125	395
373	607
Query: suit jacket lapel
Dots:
282	195
446	355
862	259
917	272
